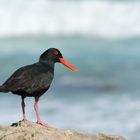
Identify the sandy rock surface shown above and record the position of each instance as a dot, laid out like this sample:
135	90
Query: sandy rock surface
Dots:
32	131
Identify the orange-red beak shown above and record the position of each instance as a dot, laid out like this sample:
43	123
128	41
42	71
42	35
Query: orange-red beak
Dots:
67	64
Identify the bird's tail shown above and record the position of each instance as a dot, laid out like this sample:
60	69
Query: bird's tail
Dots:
3	89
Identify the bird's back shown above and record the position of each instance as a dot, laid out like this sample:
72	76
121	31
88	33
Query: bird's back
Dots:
30	80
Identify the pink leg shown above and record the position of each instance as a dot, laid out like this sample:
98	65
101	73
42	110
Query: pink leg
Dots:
23	109
37	113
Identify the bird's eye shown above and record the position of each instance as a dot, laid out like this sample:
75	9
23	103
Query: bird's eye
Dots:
55	53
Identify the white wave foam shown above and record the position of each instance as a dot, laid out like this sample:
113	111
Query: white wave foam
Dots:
96	18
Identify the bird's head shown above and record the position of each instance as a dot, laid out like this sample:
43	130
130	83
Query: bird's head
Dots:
55	55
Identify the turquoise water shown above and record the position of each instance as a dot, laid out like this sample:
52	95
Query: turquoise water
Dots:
103	96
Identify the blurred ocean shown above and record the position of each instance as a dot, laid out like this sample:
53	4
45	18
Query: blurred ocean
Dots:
101	38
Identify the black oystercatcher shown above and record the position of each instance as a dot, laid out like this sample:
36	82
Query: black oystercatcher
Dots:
34	80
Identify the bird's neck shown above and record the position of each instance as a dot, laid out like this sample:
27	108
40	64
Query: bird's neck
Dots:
49	64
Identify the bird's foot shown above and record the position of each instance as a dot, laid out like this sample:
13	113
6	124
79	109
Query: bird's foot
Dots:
23	120
43	124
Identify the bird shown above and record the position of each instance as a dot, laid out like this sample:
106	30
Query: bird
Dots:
35	79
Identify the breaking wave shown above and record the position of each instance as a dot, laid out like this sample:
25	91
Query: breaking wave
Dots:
86	18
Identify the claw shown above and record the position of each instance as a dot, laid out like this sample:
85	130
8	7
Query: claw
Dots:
43	124
24	120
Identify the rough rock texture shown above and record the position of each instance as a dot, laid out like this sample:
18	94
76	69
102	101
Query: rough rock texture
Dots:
31	131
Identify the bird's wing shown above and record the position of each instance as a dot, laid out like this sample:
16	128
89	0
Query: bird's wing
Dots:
29	79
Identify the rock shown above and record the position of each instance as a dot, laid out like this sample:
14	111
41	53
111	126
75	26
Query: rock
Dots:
31	131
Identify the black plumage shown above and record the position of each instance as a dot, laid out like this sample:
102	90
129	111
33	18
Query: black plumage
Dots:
34	80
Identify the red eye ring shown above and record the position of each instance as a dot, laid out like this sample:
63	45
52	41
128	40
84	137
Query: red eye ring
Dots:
55	52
